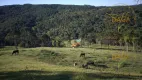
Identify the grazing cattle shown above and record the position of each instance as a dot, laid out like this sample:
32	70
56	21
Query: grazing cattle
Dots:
85	66
90	63
75	64
15	52
82	55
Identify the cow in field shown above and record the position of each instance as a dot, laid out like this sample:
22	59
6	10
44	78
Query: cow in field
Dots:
82	55
85	66
15	52
90	63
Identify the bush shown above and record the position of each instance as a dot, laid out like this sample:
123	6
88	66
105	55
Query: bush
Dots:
122	64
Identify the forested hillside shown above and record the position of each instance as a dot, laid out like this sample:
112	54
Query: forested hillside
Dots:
50	25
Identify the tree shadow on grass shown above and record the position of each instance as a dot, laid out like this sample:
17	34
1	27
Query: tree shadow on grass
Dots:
62	75
34	75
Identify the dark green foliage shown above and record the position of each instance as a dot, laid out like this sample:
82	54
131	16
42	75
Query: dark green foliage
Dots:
50	25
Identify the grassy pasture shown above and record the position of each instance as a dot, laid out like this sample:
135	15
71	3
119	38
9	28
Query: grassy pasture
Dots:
48	63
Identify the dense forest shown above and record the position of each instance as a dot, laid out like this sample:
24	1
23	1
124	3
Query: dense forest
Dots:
53	25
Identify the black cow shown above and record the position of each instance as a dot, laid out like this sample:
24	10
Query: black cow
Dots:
90	63
15	52
82	55
85	66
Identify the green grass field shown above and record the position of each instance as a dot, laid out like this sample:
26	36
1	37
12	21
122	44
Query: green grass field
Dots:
45	63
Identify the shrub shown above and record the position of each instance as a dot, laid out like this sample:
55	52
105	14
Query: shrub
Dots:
122	64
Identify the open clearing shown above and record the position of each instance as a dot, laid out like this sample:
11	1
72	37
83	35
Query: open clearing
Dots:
45	63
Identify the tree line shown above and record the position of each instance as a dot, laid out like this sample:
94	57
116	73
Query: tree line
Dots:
51	25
